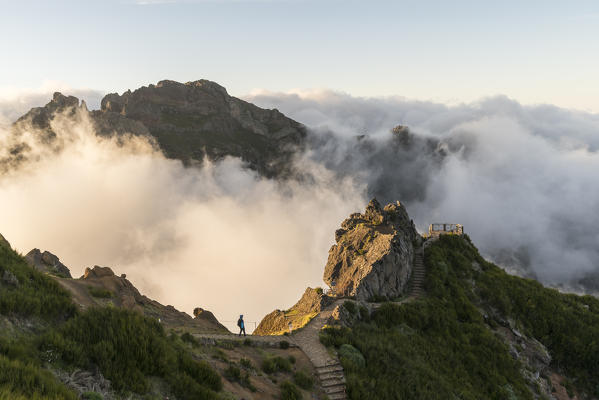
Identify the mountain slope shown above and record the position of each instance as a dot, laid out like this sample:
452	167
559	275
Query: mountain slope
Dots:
478	334
45	340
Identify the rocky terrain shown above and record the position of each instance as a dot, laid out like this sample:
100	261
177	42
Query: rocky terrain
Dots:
373	255
100	286
188	121
47	262
278	322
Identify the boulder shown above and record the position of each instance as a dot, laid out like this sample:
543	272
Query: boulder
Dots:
373	255
97	272
47	262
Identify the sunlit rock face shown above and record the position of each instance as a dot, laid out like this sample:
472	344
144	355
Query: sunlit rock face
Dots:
373	254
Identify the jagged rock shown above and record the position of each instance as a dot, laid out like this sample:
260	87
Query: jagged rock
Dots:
97	272
9	278
277	322
4	242
47	262
373	254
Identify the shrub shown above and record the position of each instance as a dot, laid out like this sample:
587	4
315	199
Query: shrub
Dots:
28	381
291	359
290	392
350	306
232	373
188	338
275	364
127	347
245	363
284	344
303	380
99	292
37	295
352	356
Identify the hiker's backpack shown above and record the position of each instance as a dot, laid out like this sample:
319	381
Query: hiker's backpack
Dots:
239	322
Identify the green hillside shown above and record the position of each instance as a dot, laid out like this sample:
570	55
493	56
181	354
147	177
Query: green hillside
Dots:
449	344
42	331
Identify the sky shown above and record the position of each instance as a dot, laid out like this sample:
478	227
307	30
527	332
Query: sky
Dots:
535	52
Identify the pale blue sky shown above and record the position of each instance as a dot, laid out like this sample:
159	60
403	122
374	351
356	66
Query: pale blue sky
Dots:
449	51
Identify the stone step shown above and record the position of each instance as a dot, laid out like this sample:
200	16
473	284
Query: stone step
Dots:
329	375
339	388
332	382
337	396
329	368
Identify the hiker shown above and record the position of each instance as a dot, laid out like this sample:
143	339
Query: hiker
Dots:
241	325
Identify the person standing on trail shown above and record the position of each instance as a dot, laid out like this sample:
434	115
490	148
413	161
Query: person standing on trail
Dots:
241	325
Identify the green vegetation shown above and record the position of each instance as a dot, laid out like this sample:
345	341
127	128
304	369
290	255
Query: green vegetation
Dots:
245	363
350	306
303	380
290	392
442	347
126	346
271	365
28	380
188	338
99	292
36	294
234	374
283	344
350	355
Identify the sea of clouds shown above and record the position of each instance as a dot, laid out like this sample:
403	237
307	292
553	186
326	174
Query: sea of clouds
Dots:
521	179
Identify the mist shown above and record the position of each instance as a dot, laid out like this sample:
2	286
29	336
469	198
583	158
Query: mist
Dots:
522	179
216	236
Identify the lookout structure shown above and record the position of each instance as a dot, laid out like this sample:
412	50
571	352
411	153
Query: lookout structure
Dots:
435	230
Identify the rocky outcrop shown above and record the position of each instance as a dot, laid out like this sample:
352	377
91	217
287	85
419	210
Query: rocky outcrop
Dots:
47	262
97	272
277	322
204	315
100	286
8	278
188	121
373	255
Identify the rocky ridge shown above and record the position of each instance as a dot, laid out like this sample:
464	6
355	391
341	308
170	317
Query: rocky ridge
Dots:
100	286
373	255
190	121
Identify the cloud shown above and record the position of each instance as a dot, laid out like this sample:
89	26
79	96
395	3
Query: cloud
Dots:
522	179
16	102
219	236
